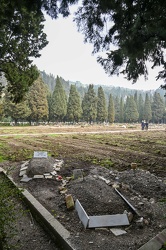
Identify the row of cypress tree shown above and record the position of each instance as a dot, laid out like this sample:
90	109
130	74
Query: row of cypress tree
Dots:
42	105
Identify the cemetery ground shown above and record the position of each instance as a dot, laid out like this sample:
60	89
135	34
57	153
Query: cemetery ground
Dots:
105	154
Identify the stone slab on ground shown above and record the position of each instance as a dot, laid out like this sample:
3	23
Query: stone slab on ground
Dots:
25	179
108	220
117	231
78	174
84	218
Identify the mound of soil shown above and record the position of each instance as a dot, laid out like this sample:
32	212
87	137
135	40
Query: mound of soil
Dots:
145	191
39	166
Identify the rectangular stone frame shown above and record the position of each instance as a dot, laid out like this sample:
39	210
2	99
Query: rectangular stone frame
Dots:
100	221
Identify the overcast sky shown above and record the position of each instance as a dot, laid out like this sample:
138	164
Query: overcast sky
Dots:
67	56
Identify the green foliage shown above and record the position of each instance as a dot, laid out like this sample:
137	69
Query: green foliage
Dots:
2	158
163	247
136	99
135	28
111	110
117	108
19	111
101	106
18	154
107	163
4	150
74	109
37	100
89	105
131	113
21	39
163	200
58	107
141	108
131	32
157	108
147	109
121	112
7	211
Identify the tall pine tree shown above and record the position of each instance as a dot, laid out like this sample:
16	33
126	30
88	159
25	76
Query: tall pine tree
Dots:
59	102
17	112
117	108
131	113
89	105
37	99
147	109
141	107
136	99
157	108
121	113
74	109
111	110
101	106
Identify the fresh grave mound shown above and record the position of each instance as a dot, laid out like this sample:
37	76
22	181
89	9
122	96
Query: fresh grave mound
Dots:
39	166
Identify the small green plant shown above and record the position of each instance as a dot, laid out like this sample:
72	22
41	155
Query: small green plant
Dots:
95	161
158	152
53	213
2	158
163	247
107	163
19	154
74	137
163	200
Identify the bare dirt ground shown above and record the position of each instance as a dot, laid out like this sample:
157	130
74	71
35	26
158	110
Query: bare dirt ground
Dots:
105	156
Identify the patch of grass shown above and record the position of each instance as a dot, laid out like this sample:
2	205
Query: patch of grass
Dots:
75	137
163	247
162	142
107	163
4	149
8	212
19	155
95	161
158	152
53	135
132	126
2	158
163	200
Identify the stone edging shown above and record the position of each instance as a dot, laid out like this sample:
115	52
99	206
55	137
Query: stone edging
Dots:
155	243
55	229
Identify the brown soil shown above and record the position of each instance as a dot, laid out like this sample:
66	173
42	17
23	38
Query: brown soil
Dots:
108	156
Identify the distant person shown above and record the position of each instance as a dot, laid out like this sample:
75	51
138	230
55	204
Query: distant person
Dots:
142	125
146	125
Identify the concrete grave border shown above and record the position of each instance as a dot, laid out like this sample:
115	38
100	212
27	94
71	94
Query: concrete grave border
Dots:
102	220
155	243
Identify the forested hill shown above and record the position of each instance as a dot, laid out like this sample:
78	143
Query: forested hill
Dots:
50	80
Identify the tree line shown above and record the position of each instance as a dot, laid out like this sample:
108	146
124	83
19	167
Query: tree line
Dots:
42	105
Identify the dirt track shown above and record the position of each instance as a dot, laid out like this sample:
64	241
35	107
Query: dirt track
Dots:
117	146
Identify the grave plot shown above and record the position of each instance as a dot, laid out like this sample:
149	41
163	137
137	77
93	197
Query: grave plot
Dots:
95	188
